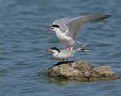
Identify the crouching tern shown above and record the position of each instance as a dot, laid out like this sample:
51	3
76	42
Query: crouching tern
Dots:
66	29
65	53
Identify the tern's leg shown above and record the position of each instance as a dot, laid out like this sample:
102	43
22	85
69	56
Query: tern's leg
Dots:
70	48
63	60
67	60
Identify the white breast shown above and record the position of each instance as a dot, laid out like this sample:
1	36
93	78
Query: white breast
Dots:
64	38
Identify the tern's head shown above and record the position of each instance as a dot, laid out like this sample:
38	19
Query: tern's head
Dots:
54	27
54	50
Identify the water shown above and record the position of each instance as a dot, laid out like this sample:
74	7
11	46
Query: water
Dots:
24	40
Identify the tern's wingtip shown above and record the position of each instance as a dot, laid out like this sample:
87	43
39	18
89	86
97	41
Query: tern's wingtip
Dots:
108	16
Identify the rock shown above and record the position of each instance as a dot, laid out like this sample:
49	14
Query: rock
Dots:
81	70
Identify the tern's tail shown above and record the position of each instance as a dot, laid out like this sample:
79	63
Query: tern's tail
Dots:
82	49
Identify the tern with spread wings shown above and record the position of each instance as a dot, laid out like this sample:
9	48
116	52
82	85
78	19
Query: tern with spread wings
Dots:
66	29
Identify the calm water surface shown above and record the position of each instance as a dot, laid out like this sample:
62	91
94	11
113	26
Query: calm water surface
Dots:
24	40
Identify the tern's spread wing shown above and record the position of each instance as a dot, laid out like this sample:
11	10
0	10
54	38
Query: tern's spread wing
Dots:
75	23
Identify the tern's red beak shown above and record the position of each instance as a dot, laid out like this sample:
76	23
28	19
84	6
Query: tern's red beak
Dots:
49	50
50	29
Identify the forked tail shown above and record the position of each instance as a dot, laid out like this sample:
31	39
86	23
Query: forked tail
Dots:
82	49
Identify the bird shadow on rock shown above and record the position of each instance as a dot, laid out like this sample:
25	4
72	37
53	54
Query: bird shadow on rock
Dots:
64	62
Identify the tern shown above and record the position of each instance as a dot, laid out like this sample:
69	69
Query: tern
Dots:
65	53
66	29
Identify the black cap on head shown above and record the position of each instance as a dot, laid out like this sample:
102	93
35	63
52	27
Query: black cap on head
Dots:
55	48
55	26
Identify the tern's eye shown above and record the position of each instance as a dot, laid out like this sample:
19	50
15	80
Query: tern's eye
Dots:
55	26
